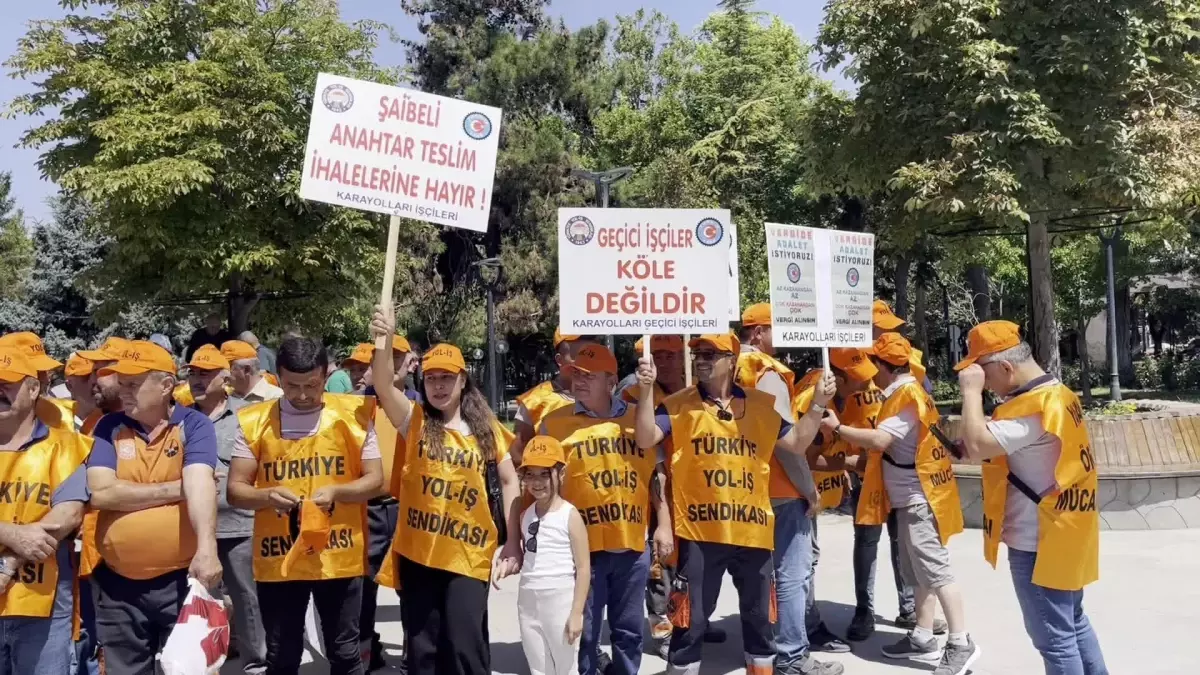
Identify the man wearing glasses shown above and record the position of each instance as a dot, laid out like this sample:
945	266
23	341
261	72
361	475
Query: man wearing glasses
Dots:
723	439
608	479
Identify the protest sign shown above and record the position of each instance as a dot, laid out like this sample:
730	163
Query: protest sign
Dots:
643	271
735	286
822	286
401	152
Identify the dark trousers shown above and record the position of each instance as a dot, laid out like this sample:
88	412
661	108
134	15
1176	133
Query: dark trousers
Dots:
866	549
701	568
135	616
617	582
381	527
445	618
284	605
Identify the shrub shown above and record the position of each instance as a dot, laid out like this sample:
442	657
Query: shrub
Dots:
1118	408
945	390
1072	376
1148	373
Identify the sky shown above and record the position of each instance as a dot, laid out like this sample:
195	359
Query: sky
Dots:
31	192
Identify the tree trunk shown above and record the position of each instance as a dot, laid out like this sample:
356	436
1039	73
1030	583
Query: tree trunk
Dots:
903	267
239	305
981	296
1156	333
1041	292
919	322
1124	342
1085	363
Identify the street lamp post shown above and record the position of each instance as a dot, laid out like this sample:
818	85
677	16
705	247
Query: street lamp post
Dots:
493	382
603	180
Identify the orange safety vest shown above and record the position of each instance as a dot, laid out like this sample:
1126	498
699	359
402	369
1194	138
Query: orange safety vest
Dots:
915	367
34	474
859	411
150	542
183	395
631	394
752	365
721	470
445	521
55	412
1068	555
608	476
543	400
933	467
331	456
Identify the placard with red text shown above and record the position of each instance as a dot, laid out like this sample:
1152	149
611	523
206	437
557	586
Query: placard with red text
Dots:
643	271
401	152
822	286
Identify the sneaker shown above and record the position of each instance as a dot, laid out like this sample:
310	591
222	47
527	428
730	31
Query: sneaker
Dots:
823	640
908	647
862	626
662	647
957	660
714	635
909	622
810	666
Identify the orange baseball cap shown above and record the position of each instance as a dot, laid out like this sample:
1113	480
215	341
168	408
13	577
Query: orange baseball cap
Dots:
313	535
990	337
400	344
209	357
660	343
757	315
77	366
722	342
893	348
112	350
363	353
883	317
559	338
143	356
14	365
236	350
444	357
595	359
31	346
543	451
853	362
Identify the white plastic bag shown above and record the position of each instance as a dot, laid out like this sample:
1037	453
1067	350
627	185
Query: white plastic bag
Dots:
199	643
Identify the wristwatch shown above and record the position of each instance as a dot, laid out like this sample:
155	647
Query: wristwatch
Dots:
837	431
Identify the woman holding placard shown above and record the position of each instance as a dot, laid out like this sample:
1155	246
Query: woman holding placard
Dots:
456	483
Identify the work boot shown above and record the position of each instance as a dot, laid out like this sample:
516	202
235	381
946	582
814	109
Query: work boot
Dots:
909	622
862	626
823	640
908	647
957	660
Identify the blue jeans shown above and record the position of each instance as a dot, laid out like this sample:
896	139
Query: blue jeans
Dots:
1055	622
793	574
618	584
36	646
86	661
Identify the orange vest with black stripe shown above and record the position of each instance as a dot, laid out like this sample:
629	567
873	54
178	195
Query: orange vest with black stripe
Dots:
1068	555
932	465
331	456
721	470
608	476
30	477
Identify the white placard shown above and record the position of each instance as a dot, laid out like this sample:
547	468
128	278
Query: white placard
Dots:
643	271
822	286
401	152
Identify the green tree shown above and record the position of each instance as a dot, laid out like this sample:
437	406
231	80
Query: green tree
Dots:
1016	110
16	251
184	123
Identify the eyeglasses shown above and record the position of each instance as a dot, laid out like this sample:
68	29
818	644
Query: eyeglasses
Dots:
531	542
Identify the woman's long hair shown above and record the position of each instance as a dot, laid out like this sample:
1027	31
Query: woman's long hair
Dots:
475	412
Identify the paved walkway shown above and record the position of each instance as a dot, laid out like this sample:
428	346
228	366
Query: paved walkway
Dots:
1146	608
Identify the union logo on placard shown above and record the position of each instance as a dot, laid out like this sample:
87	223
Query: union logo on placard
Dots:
337	98
580	230
477	126
710	231
852	277
793	272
